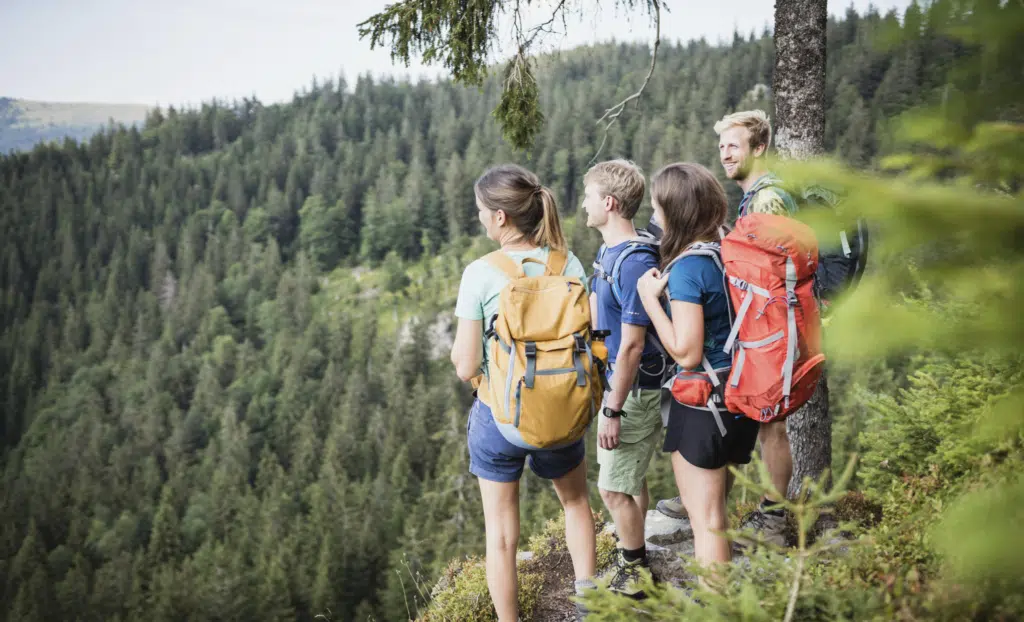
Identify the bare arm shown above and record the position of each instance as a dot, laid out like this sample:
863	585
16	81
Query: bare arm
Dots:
627	361
468	349
682	335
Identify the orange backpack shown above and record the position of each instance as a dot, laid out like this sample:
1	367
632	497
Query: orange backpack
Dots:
769	262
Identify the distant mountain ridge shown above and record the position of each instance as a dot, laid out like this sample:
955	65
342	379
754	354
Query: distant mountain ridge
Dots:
24	123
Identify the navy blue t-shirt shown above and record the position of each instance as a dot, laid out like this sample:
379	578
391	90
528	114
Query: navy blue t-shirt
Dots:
697	279
612	314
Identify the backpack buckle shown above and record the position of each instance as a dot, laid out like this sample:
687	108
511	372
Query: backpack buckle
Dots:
531	350
791	298
489	333
581	343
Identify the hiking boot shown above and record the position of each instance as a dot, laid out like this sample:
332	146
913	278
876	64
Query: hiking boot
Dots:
672	508
581	587
769	526
581	612
628	576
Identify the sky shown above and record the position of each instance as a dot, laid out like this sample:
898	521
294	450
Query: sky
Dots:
190	51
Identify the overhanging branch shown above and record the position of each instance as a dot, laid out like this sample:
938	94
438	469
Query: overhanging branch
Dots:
612	114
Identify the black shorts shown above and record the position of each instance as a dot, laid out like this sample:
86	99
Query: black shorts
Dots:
694	434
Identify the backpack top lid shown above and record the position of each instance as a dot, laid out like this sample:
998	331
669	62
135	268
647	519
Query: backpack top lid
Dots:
759	236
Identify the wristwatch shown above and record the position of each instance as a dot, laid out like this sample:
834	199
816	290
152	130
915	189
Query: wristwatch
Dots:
611	414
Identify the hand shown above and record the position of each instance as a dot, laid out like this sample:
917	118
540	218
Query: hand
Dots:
652	284
608	433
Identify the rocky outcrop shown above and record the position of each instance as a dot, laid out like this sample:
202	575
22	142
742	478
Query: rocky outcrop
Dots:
669	541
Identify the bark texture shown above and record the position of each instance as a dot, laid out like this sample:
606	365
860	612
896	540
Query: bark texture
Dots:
799	92
810	438
799	80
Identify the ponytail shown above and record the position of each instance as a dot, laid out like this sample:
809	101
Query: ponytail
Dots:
549	229
529	206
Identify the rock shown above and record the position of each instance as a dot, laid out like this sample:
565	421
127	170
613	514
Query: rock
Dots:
669	542
668	564
524	556
663	531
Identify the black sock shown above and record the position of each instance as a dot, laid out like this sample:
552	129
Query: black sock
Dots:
777	511
631	555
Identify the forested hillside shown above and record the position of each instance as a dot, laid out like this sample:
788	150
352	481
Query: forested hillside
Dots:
222	368
24	123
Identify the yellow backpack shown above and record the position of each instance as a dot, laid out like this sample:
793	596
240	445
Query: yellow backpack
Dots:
546	369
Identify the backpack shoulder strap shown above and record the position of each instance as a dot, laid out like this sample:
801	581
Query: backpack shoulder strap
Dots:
636	246
704	249
714	251
505	264
598	272
557	261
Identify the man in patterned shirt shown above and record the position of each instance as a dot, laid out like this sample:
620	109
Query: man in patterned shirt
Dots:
743	141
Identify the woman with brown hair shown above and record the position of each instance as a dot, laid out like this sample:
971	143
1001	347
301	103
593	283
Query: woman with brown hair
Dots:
691	207
520	214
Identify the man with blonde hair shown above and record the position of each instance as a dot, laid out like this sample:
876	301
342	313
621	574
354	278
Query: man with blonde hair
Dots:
743	140
628	430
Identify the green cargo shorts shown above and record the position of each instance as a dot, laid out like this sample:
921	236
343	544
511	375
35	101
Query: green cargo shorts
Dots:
623	469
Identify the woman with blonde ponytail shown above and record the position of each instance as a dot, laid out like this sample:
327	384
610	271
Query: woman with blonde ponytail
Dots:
521	215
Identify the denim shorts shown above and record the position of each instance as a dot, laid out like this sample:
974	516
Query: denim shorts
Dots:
493	458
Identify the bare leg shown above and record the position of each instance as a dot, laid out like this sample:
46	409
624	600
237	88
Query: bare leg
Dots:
704	499
579	522
501	523
629	519
776	454
643	500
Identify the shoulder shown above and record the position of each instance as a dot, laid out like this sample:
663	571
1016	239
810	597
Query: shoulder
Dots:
772	200
478	271
692	264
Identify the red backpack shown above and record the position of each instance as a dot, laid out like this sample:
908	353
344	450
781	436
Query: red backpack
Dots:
769	263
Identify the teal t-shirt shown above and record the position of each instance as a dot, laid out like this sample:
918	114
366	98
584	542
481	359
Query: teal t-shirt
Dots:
482	284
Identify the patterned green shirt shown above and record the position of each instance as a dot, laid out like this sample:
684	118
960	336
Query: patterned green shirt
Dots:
767	197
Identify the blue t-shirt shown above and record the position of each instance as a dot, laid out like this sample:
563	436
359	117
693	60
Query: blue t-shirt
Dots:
611	314
698	280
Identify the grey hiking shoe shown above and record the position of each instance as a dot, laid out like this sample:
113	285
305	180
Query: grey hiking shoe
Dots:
582	586
673	508
769	527
628	576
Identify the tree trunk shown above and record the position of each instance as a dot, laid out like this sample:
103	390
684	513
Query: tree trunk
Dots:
799	92
798	84
810	438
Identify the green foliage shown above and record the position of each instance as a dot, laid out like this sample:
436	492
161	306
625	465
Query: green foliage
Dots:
928	428
550	539
769	584
518	110
461	35
458	34
463	593
320	232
